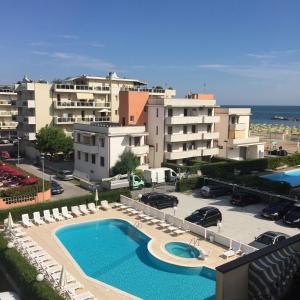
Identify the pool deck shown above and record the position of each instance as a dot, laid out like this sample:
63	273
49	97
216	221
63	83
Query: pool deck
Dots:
45	237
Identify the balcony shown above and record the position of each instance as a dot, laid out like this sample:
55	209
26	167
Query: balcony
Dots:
210	152
31	136
79	104
238	126
211	119
63	121
29	120
183	137
8	113
94	149
81	88
138	150
210	135
184	120
8	125
245	141
183	154
5	102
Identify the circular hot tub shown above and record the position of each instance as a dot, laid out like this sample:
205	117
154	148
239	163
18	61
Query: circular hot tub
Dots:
181	249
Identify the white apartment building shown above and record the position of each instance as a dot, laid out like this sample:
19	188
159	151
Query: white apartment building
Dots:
181	129
235	141
8	112
97	148
77	99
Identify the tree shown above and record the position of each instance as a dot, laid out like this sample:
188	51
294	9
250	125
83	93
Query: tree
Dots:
53	140
126	164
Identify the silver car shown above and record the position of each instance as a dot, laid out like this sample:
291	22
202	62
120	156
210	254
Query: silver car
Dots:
268	238
65	175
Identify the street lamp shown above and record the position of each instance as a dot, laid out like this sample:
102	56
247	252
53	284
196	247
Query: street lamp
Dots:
18	138
43	168
225	148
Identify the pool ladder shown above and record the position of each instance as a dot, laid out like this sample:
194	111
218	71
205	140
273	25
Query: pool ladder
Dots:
138	224
194	242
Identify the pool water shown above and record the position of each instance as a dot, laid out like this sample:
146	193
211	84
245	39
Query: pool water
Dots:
115	252
182	250
292	177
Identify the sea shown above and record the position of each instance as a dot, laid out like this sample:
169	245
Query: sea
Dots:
262	114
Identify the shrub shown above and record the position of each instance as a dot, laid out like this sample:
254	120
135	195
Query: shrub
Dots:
24	274
110	196
185	184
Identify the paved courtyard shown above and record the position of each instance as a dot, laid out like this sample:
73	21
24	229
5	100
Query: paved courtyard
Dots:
239	223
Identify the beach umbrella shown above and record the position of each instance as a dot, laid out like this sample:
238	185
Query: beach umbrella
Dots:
96	197
63	278
10	222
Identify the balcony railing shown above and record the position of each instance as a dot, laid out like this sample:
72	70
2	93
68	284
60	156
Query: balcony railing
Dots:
138	150
8	113
80	104
210	151
72	120
81	88
183	154
5	102
183	137
8	125
135	89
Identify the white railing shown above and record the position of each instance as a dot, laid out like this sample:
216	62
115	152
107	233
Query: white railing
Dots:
197	229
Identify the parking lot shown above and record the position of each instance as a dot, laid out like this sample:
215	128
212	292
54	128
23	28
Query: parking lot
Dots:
239	223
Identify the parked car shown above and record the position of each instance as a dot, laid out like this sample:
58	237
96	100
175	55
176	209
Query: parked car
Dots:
4	155
205	216
4	141
276	210
65	175
295	193
268	238
56	188
242	198
292	217
213	191
159	200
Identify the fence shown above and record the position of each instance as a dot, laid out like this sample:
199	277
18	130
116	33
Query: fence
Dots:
196	229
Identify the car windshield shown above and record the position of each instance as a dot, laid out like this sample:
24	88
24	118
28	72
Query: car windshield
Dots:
265	239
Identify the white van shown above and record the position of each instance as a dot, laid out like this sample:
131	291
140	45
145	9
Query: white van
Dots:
159	175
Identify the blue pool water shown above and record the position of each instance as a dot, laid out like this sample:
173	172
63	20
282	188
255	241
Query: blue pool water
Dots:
115	252
182	250
292	177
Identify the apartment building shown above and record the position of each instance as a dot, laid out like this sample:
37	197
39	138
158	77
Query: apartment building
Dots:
235	141
97	148
8	124
181	129
75	99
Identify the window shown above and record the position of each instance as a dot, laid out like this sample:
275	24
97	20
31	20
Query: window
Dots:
78	137
185	112
131	118
93	158
209	128
157	113
209	112
169	129
193	146
58	97
102	161
169	147
102	142
184	147
145	108
170	112
93	140
86	155
78	155
116	112
156	147
184	129
156	130
193	128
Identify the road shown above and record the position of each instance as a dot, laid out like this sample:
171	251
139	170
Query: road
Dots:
71	190
239	223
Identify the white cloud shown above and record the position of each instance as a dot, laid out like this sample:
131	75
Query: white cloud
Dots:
39	44
40	52
261	56
69	36
212	66
96	45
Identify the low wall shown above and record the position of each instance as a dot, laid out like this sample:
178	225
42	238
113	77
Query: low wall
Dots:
11	202
196	229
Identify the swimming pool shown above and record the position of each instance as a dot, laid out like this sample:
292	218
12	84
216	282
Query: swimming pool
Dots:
292	177
182	250
115	252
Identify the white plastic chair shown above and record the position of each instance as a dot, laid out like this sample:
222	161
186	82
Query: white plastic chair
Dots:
65	212
26	221
47	216
56	215
83	209
37	218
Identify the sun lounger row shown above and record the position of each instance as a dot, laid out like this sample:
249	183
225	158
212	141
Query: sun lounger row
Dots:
56	215
172	229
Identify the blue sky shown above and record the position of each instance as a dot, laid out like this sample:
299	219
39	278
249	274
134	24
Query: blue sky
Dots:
246	52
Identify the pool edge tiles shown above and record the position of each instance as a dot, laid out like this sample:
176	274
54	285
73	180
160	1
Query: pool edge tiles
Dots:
131	259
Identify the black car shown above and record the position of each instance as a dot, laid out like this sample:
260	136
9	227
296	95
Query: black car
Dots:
292	217
213	191
295	193
243	198
159	200
56	188
268	238
277	210
205	216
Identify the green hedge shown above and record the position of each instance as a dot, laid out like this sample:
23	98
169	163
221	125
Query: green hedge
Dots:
110	196
186	184
24	275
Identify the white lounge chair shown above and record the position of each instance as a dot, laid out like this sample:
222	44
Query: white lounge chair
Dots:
26	221
204	255
83	209
81	296
37	218
163	225
105	205
154	221
123	206
65	212
73	286
92	207
171	228
56	215
179	231
52	270
116	205
47	216
147	218
229	253
142	215
75	211
134	212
